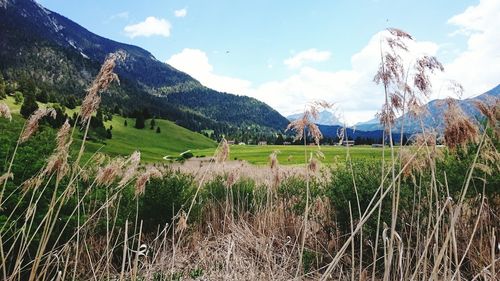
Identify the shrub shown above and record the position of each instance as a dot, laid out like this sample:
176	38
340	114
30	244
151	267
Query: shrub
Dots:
164	198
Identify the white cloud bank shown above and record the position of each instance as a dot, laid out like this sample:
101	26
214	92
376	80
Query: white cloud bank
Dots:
357	97
180	13
195	63
304	57
149	27
478	67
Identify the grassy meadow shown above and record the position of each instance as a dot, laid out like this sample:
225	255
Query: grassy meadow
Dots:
294	154
425	212
172	139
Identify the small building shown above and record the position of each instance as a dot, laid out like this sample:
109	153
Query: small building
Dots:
377	145
348	143
287	143
262	143
242	143
230	142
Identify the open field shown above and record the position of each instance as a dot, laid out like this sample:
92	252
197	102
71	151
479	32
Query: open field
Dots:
172	140
294	154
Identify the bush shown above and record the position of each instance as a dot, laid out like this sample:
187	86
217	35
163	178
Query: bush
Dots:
29	106
164	198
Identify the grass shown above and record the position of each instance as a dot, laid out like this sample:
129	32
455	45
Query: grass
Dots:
259	155
421	217
153	146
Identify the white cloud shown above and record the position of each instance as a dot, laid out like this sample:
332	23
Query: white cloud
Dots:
149	27
181	13
357	97
195	63
478	67
311	55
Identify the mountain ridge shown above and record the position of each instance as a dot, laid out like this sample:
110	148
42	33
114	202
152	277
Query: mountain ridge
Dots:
434	116
63	56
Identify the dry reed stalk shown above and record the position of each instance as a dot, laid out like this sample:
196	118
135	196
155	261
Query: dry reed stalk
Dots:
459	130
32	123
5	111
222	153
58	162
140	185
101	83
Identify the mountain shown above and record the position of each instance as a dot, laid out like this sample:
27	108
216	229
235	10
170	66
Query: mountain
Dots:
434	118
325	118
63	57
370	125
361	137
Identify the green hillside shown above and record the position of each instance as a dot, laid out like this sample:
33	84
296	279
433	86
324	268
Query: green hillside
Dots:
153	146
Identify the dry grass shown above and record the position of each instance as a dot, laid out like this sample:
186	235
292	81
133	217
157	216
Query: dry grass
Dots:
436	239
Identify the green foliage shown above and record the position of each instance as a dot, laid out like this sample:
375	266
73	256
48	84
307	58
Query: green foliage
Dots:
29	105
240	195
42	96
196	273
152	124
158	130
164	198
3	92
139	121
18	97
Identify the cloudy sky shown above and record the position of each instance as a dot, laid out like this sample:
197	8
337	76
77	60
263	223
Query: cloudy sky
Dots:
287	53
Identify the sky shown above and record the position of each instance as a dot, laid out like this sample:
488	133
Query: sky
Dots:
288	53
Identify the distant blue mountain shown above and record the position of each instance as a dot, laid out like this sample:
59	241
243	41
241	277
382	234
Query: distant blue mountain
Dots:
325	118
434	118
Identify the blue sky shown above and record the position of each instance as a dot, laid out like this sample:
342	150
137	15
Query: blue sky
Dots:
288	52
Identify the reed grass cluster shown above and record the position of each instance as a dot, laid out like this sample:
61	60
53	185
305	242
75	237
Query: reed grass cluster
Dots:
424	213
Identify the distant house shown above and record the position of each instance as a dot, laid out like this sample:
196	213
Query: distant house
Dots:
231	142
242	143
377	145
287	143
348	143
262	143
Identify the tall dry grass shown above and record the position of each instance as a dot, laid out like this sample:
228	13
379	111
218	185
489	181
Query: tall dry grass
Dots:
284	226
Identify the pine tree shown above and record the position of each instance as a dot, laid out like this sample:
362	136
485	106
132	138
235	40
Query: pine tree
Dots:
152	124
139	121
158	130
29	105
125	123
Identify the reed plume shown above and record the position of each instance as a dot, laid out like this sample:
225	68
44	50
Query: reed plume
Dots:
459	130
58	162
143	179
5	177
5	111
222	153
306	122
101	83
133	164
34	119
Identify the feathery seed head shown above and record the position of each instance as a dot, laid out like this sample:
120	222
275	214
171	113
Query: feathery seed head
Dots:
459	130
222	151
100	84
143	179
33	122
5	111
